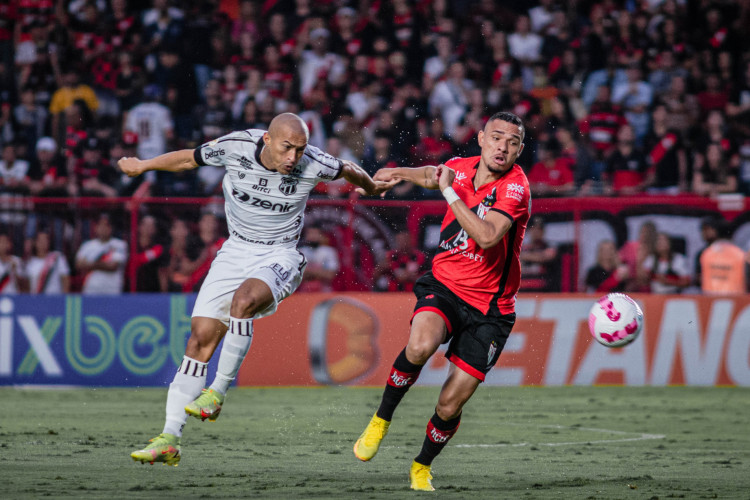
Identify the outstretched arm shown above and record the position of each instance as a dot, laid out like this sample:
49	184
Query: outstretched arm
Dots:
486	232
176	161
354	174
421	176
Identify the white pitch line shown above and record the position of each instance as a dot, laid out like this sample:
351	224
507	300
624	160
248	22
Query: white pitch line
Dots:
638	437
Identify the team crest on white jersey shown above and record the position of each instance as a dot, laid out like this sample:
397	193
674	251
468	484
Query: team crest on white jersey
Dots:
288	185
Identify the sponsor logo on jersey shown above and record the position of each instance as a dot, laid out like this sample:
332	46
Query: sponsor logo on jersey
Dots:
280	271
241	175
514	191
254	242
288	185
245	163
213	153
460	176
326	176
261	186
243	197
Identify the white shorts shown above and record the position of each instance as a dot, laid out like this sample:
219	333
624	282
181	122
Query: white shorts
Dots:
278	267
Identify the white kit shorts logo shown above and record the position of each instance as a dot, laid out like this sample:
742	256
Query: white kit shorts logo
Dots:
514	191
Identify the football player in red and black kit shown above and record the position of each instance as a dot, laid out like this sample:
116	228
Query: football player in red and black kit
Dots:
468	298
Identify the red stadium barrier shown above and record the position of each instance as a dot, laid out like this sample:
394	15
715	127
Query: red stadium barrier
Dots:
353	338
362	229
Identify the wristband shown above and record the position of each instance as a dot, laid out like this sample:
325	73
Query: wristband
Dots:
450	195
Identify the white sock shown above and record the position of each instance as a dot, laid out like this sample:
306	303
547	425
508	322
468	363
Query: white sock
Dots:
186	386
236	344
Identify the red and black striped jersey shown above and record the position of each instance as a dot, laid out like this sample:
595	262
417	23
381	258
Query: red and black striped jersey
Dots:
487	279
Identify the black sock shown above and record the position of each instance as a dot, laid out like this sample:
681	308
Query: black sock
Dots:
439	431
403	374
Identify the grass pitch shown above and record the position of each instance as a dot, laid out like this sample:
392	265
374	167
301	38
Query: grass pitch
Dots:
565	442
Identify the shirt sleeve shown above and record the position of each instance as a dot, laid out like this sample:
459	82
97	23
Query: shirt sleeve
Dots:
217	151
513	198
327	167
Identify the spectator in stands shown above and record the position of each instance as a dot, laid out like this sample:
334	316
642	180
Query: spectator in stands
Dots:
552	175
713	96
71	91
47	269
13	277
683	109
14	171
152	122
94	175
213	117
579	155
435	66
711	228
401	266
626	165
634	253
183	249
433	146
322	261
600	126
319	63
635	95
162	25
666	156
714	174
128	82
538	259
724	266
101	260
609	274
48	175
525	45
210	241
450	97
29	118
668	270
150	256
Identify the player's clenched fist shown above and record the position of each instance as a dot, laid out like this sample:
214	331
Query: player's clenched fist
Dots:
445	176
130	166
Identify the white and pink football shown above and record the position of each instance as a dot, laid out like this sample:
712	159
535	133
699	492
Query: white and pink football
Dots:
615	320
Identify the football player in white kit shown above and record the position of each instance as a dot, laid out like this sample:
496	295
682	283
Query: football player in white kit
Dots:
269	176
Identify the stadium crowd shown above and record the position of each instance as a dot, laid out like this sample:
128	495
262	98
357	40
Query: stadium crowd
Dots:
619	98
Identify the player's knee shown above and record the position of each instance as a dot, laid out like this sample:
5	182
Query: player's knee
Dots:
419	350
448	408
246	305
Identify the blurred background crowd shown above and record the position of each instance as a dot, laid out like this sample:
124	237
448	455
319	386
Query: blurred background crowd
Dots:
619	97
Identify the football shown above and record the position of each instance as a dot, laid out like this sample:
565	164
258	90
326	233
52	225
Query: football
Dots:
615	320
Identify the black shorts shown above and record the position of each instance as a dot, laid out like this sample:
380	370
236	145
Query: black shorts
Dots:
475	339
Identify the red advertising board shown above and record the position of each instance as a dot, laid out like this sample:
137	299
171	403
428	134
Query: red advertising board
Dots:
353	338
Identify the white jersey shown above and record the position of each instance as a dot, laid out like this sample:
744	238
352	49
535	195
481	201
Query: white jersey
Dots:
151	121
10	271
265	207
104	282
46	273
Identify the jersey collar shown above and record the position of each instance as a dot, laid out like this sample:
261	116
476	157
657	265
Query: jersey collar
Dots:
258	150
